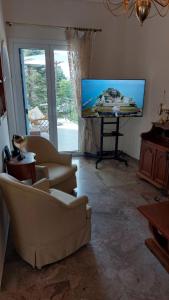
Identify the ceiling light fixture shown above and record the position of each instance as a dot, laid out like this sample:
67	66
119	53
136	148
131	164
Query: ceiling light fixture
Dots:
142	8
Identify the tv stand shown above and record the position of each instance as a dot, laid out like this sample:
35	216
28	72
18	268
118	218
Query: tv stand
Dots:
116	154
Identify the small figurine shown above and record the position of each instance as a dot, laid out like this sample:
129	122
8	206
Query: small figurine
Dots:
164	113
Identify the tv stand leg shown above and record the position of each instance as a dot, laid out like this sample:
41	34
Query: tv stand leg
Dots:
101	143
98	161
117	139
119	158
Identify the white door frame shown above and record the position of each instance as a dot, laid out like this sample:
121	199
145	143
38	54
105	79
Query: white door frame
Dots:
49	47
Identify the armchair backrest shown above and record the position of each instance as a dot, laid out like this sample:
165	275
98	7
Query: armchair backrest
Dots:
44	150
28	208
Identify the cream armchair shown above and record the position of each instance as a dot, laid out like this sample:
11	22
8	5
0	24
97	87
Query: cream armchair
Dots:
47	224
55	166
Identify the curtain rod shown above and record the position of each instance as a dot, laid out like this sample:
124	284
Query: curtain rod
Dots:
55	26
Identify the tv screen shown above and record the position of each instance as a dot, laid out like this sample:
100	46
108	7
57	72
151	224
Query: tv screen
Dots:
112	97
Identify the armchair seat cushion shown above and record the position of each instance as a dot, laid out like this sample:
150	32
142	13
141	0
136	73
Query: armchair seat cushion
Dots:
59	173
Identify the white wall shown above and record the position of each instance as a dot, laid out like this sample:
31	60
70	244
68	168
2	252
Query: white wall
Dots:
4	140
124	49
147	56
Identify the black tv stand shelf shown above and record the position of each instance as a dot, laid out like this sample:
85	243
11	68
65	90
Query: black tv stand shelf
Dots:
113	133
116	153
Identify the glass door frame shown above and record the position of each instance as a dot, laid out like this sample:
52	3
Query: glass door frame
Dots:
19	105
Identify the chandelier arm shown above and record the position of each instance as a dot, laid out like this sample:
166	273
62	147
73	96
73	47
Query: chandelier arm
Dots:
161	4
155	13
108	3
109	6
157	9
115	6
132	7
115	9
132	3
112	7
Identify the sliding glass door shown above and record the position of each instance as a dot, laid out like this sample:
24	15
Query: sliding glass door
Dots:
67	118
34	83
49	106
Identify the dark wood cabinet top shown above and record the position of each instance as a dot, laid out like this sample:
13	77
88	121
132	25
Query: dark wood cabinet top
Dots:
158	215
158	134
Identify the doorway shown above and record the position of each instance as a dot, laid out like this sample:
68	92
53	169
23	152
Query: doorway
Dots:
48	102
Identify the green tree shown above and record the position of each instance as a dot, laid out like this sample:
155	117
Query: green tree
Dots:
64	91
31	52
36	90
64	96
59	73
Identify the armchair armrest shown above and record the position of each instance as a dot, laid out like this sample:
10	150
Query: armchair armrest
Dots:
42	185
41	172
83	200
63	159
68	201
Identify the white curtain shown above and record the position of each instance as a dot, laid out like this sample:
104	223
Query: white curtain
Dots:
80	44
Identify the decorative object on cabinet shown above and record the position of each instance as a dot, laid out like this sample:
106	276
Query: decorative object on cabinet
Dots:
154	156
164	113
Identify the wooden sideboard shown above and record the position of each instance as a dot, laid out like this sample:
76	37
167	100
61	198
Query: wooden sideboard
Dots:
154	156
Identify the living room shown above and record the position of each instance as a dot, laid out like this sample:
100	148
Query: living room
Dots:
123	49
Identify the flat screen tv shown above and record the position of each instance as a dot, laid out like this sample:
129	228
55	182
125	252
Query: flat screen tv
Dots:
112	97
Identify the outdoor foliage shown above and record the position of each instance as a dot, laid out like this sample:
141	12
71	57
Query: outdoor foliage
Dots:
36	88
